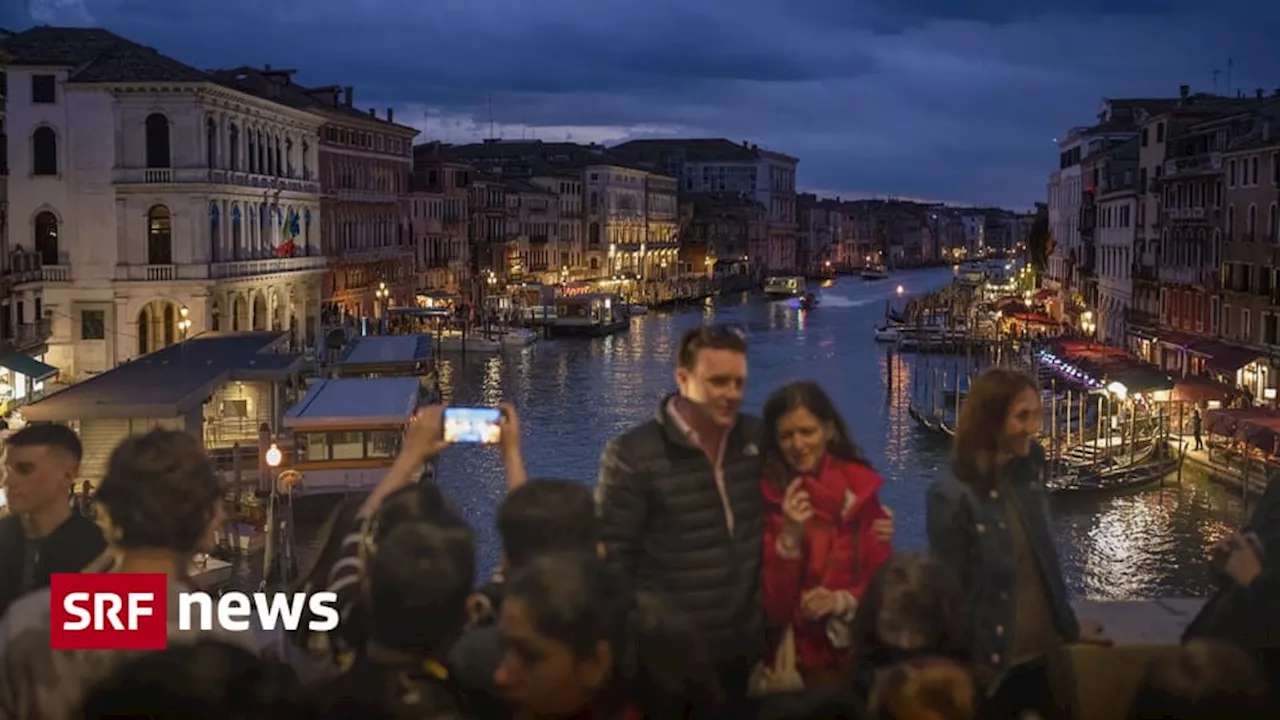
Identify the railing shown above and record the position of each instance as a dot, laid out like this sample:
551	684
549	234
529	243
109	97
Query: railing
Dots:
151	273
1205	163
164	176
1195	213
28	334
249	268
55	273
364	195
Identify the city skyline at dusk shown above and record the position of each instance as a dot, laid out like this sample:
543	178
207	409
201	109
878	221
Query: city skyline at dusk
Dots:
917	100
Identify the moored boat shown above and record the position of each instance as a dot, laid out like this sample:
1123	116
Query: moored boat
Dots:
874	272
518	337
784	286
888	333
809	301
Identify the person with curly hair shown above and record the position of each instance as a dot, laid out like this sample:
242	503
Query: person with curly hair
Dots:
159	504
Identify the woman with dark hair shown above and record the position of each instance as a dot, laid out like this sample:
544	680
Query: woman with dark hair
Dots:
989	521
821	546
913	607
580	643
158	504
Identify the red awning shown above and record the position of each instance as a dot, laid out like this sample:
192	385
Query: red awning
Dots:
1033	318
1197	390
1227	422
1225	357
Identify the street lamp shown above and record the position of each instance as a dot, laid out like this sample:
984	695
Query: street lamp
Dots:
274	456
184	324
900	291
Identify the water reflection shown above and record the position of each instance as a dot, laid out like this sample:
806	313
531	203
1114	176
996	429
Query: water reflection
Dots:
573	395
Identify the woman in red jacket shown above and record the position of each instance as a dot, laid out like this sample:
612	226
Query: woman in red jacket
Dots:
825	534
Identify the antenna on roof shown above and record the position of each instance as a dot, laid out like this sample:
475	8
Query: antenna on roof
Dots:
491	135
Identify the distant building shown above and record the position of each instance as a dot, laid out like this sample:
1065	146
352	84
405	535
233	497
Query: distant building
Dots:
183	204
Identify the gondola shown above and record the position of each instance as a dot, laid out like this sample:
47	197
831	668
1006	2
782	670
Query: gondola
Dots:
1142	471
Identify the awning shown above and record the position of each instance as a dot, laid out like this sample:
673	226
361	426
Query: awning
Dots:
1225	357
1178	339
1198	390
29	366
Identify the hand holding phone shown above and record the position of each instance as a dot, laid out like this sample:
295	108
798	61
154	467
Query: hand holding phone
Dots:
480	425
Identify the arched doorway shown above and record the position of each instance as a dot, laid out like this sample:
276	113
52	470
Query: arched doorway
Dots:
157	326
259	311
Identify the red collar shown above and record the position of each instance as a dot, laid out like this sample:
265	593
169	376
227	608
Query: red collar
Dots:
832	487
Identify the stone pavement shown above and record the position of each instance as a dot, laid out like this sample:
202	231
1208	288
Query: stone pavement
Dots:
1142	622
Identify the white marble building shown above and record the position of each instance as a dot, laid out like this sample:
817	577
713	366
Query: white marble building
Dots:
161	203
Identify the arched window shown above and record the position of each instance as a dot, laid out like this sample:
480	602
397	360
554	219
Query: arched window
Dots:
1273	224
211	143
306	169
44	151
159	236
170	324
215	234
144	334
262	153
253	150
237	231
280	156
46	238
288	158
306	229
1251	221
158	141
233	147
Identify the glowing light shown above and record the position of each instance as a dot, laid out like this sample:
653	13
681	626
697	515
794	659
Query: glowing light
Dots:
274	456
900	290
1118	389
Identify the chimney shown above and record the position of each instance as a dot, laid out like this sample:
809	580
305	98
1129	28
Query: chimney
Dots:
1184	91
348	94
373	112
391	116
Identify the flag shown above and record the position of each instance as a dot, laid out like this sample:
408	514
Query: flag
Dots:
288	231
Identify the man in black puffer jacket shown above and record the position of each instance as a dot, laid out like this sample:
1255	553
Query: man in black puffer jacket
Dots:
680	503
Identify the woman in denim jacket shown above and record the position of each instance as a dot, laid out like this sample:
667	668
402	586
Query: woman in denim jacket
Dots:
989	521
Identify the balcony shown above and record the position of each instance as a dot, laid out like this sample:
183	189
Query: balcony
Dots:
28	335
1207	163
360	195
184	176
43	274
269	266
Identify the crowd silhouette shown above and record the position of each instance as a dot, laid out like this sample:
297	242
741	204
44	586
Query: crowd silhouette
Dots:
726	566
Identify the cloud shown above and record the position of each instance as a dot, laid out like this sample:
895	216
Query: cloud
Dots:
919	98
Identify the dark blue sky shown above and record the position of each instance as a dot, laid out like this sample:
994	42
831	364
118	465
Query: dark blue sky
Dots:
942	99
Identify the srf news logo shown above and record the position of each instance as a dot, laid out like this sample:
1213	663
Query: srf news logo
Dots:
125	611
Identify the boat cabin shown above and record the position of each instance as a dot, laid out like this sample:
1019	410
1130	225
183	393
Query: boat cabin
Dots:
590	314
387	355
784	286
347	431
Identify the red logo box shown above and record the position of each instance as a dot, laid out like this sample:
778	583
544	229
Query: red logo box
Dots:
108	611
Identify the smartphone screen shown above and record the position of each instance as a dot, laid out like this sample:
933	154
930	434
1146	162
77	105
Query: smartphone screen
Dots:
472	425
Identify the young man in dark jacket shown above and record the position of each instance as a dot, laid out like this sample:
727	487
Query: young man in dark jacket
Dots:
680	503
42	535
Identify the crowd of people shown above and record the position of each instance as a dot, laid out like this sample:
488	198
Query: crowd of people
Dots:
727	566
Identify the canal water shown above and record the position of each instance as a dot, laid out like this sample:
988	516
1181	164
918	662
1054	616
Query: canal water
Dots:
573	395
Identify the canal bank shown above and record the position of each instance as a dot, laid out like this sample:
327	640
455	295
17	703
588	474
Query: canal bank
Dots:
574	395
